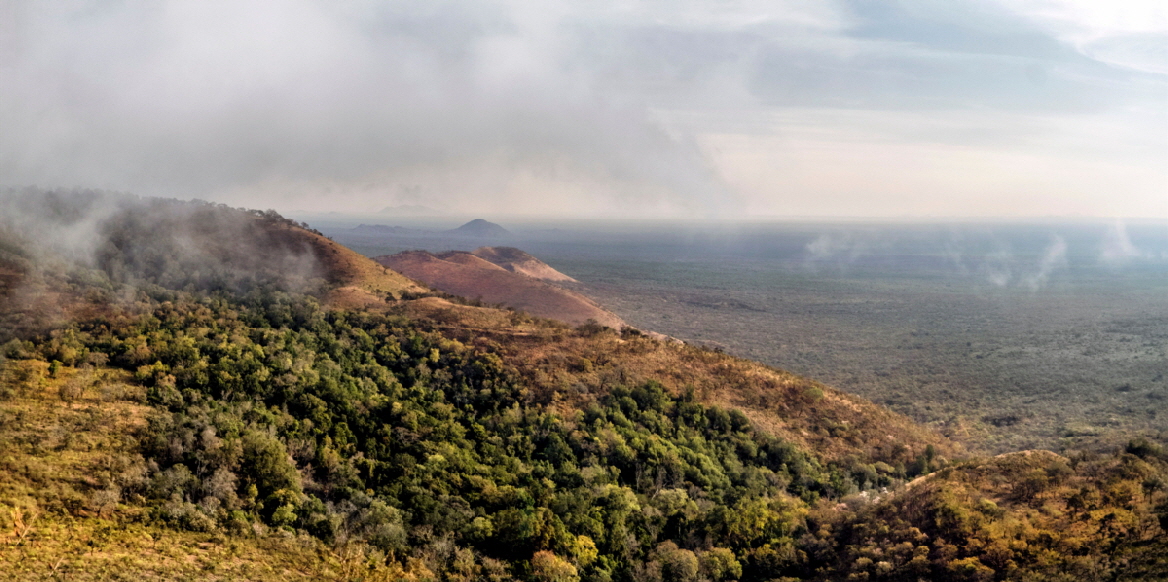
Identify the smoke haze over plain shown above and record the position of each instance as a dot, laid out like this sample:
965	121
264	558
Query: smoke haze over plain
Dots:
691	109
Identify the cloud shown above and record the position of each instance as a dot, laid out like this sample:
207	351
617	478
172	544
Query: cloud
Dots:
599	108
998	268
843	248
198	99
149	240
1132	34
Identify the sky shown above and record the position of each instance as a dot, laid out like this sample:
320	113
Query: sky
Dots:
672	109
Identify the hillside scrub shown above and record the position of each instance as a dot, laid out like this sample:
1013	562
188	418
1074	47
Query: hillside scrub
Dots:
268	413
348	425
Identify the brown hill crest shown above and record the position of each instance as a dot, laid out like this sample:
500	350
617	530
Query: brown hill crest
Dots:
517	261
472	276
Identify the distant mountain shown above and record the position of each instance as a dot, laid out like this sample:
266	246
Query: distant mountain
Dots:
382	230
480	228
469	275
517	261
410	210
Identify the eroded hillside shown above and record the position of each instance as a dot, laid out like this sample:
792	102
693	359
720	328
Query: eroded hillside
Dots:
517	261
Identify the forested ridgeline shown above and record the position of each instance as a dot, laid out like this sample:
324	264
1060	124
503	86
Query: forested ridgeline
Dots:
251	430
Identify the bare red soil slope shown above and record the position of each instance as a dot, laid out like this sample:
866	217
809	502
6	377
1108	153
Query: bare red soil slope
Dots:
469	260
472	277
517	261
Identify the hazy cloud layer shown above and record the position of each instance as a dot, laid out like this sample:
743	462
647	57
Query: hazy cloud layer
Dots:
650	108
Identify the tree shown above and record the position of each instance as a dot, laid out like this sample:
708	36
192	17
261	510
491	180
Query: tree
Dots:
677	564
272	471
720	564
548	567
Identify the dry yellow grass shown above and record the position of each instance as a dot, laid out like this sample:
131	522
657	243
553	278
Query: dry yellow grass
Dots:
517	261
66	548
65	439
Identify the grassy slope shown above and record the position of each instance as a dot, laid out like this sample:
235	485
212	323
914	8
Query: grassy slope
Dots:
359	281
35	299
833	424
517	261
66	441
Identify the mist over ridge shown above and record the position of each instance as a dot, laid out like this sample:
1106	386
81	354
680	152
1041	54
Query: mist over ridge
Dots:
68	254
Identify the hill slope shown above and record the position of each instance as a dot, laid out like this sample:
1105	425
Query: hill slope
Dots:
358	280
56	246
517	261
468	275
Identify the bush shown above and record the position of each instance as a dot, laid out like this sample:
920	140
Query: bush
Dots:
1145	449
